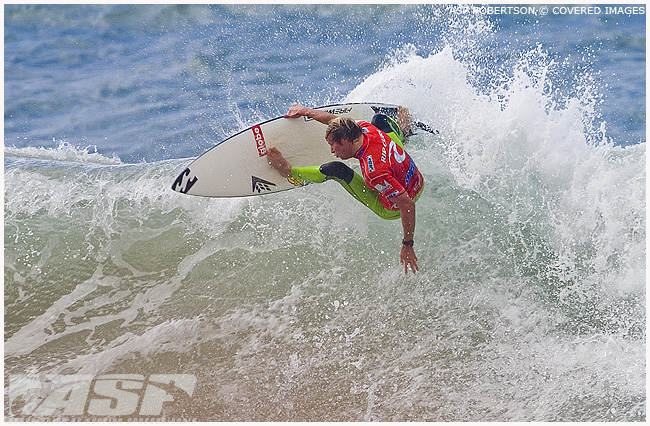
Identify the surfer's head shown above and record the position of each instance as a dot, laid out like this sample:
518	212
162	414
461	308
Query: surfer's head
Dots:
343	135
342	128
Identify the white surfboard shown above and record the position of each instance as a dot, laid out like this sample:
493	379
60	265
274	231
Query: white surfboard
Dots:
238	167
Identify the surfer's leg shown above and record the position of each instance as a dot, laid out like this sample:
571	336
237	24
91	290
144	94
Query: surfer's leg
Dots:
318	174
389	126
369	198
351	181
355	185
308	173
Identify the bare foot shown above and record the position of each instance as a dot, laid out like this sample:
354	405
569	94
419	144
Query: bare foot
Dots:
279	163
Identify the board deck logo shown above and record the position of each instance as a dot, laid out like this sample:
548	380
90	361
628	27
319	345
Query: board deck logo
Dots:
390	111
335	111
259	140
184	182
260	185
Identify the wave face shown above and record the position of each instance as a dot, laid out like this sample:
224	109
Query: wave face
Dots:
530	301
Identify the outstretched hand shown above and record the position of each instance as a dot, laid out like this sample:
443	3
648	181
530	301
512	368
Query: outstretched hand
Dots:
408	258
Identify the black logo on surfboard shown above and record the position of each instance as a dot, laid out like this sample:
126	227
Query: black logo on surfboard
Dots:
184	181
390	111
260	185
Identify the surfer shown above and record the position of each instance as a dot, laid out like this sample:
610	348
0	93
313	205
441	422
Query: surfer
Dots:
390	183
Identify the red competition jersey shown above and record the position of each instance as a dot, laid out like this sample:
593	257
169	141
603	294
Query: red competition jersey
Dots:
386	167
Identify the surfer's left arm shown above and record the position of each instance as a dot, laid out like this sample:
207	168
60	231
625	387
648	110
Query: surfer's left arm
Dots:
407	255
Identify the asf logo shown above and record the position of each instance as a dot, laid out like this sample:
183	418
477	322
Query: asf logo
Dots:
110	395
260	185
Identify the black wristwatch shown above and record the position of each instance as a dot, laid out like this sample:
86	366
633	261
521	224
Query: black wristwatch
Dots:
408	243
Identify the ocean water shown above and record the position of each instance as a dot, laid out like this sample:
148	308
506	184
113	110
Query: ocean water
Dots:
530	301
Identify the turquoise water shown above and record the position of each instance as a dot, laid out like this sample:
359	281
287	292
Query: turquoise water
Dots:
530	301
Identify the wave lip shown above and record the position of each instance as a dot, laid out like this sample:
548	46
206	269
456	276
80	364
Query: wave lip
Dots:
65	151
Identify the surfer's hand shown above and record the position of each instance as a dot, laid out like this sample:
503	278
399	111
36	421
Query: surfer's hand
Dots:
408	258
319	115
277	160
296	111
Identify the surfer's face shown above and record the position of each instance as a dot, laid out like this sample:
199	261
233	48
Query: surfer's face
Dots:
342	149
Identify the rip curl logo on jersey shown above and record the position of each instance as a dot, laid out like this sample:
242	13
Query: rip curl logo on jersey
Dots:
259	140
396	155
371	165
260	185
381	135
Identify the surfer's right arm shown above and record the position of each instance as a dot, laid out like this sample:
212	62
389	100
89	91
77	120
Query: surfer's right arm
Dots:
297	110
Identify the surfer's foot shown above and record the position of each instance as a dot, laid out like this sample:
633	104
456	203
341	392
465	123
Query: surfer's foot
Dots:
279	163
404	121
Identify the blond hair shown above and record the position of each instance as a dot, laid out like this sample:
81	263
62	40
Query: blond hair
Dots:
342	128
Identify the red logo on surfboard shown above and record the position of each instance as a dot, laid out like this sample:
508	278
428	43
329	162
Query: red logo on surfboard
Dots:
259	140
